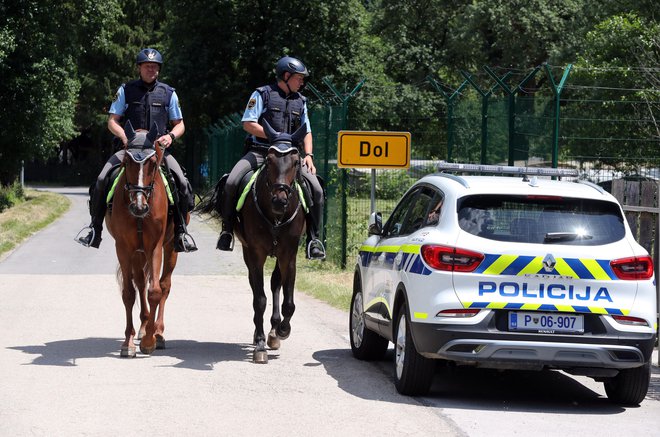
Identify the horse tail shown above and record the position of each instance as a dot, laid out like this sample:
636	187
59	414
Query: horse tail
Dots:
211	202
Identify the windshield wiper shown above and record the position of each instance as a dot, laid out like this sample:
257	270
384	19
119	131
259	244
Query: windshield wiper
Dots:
558	237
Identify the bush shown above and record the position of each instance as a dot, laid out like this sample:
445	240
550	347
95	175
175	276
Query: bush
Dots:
10	195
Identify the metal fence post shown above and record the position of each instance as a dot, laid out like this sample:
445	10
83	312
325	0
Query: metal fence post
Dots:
556	89
449	100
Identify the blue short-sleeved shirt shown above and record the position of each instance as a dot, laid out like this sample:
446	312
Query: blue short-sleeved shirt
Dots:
119	105
255	108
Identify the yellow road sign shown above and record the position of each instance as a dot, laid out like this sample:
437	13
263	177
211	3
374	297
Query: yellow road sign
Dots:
372	149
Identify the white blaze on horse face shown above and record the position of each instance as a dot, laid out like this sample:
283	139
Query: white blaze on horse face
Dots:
140	195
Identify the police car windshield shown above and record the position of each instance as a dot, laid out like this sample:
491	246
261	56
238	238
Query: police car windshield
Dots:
543	220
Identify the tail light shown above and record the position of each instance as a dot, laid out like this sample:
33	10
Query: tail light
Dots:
633	321
633	268
451	259
458	313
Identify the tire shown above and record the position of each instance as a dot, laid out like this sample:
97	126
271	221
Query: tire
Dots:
365	344
630	386
413	373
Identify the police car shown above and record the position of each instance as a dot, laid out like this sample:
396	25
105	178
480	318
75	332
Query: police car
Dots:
509	272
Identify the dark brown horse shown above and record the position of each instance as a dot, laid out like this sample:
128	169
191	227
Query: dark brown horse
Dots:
270	223
143	231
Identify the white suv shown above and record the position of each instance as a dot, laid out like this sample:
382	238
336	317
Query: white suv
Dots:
506	272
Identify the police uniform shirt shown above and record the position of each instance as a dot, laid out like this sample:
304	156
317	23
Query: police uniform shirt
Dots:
119	105
255	108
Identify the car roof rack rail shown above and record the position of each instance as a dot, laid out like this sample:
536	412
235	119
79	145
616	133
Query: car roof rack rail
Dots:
507	169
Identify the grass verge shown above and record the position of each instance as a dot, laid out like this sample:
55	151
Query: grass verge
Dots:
39	209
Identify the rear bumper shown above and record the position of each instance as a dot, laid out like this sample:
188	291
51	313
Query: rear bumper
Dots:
489	348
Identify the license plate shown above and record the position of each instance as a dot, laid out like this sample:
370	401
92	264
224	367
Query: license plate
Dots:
550	323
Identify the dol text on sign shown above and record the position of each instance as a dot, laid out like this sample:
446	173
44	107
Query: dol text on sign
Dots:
370	149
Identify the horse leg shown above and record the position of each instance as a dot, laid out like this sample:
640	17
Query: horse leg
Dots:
288	307
255	266
128	297
139	280
154	296
165	285
276	318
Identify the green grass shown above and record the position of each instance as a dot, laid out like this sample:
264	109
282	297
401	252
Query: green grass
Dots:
38	210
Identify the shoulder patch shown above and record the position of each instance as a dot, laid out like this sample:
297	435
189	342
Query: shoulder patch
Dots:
252	103
114	99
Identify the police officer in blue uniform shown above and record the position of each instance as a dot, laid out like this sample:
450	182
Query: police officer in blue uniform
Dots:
285	109
145	101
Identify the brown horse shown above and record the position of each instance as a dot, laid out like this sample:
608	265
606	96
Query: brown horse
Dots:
270	223
138	220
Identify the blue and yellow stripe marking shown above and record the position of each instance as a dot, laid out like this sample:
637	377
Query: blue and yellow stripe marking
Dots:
546	307
493	264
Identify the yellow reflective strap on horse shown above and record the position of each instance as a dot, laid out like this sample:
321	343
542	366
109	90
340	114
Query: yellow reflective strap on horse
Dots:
170	198
301	197
246	190
114	184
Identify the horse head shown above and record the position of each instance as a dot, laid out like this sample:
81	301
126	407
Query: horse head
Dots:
141	164
282	165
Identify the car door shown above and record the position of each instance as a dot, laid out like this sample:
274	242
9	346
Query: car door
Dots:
389	256
378	275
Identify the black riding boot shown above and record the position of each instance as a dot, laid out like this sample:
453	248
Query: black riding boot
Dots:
226	238
97	208
315	249
183	241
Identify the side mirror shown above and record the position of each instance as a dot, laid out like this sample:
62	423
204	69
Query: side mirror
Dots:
376	223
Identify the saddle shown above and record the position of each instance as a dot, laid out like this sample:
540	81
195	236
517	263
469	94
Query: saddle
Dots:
302	186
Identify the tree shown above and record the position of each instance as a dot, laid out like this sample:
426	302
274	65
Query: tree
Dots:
618	74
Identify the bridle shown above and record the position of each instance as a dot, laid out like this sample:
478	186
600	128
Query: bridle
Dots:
140	155
289	189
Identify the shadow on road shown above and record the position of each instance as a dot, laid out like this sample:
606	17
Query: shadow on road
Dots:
191	354
472	388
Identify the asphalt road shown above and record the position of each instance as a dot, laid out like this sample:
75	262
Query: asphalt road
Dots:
62	322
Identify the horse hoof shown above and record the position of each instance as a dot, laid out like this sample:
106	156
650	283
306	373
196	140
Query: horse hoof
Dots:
273	341
283	333
160	342
127	352
260	357
146	348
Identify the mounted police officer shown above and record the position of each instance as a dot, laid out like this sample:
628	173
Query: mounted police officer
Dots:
285	109
145	101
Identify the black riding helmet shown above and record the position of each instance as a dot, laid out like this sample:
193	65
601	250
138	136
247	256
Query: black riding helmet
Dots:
149	55
291	65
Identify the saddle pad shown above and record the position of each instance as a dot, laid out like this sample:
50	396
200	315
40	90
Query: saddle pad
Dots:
111	193
248	186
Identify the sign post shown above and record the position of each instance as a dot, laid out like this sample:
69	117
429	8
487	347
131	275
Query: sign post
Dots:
371	149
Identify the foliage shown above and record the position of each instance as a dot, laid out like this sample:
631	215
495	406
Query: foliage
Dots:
22	220
11	195
628	115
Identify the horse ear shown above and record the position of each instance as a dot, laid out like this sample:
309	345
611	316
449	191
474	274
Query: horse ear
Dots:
129	131
153	133
271	134
299	134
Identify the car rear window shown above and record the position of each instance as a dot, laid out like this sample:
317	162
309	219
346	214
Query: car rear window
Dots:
541	219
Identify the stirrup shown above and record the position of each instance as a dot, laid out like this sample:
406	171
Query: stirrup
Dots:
181	243
223	244
87	239
315	244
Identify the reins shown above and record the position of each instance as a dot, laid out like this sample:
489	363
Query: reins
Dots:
275	226
134	189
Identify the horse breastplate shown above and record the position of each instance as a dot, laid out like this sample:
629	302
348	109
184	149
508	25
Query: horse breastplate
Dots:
147	105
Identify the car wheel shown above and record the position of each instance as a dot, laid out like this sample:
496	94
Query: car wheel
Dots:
365	344
630	386
413	372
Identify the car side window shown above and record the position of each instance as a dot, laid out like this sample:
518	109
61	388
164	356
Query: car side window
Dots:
435	207
395	223
417	212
